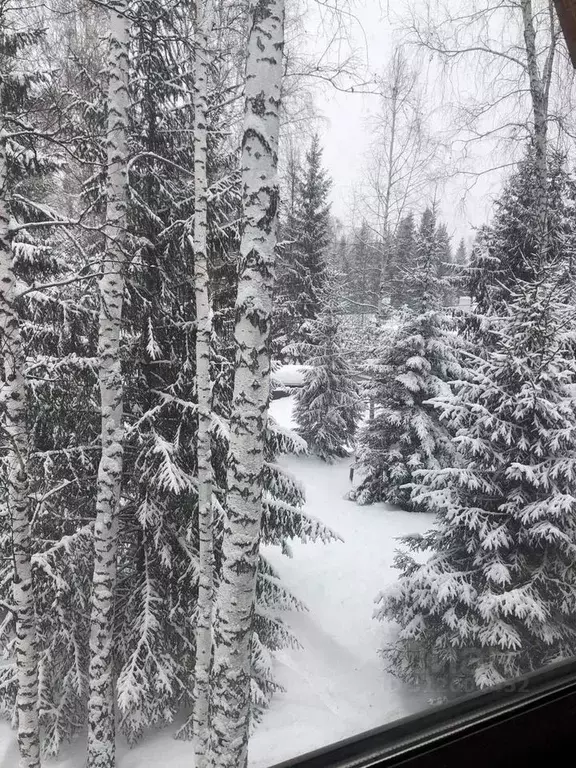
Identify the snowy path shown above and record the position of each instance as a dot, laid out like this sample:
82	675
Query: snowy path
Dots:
335	685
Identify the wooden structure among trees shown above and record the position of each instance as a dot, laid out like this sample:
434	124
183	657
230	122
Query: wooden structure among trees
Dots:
566	10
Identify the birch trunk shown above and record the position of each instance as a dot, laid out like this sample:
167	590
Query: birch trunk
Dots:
237	588
539	88
17	488
386	240
101	715
204	390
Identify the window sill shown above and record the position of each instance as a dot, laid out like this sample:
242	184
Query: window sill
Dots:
509	724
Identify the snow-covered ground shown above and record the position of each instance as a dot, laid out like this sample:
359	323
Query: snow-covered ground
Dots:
335	685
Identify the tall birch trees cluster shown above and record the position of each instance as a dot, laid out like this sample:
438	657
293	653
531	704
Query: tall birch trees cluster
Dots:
140	305
138	214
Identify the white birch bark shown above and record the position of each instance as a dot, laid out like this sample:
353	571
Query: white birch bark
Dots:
101	711
204	391
17	487
539	88
237	587
387	196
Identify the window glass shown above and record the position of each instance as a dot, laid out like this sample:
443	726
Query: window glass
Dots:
288	381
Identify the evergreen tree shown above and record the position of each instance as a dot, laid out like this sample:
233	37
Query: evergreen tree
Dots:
402	260
496	597
328	406
446	268
423	278
459	280
302	265
283	323
413	365
362	271
64	421
461	256
508	250
341	259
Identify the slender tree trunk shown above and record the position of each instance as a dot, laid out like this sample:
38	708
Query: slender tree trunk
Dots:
386	239
237	587
204	389
17	487
101	714
539	96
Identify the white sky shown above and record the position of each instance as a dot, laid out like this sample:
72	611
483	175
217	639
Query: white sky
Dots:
372	34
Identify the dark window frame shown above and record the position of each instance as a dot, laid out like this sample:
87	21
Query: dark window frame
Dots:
529	719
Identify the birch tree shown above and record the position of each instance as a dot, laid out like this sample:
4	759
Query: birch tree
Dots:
22	160
204	390
518	85
539	78
101	714
237	589
403	156
17	482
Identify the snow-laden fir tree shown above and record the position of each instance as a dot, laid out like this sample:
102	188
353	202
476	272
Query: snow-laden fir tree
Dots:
329	405
401	260
507	249
59	309
461	256
361	269
302	260
446	267
415	363
495	596
154	636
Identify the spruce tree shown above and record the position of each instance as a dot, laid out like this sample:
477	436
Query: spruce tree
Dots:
507	250
328	406
64	422
362	271
302	262
496	596
461	256
402	260
446	267
415	363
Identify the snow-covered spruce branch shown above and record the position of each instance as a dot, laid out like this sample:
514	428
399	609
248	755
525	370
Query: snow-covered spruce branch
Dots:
38	288
63	545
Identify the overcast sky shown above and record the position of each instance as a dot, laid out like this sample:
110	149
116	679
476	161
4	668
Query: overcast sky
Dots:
373	32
